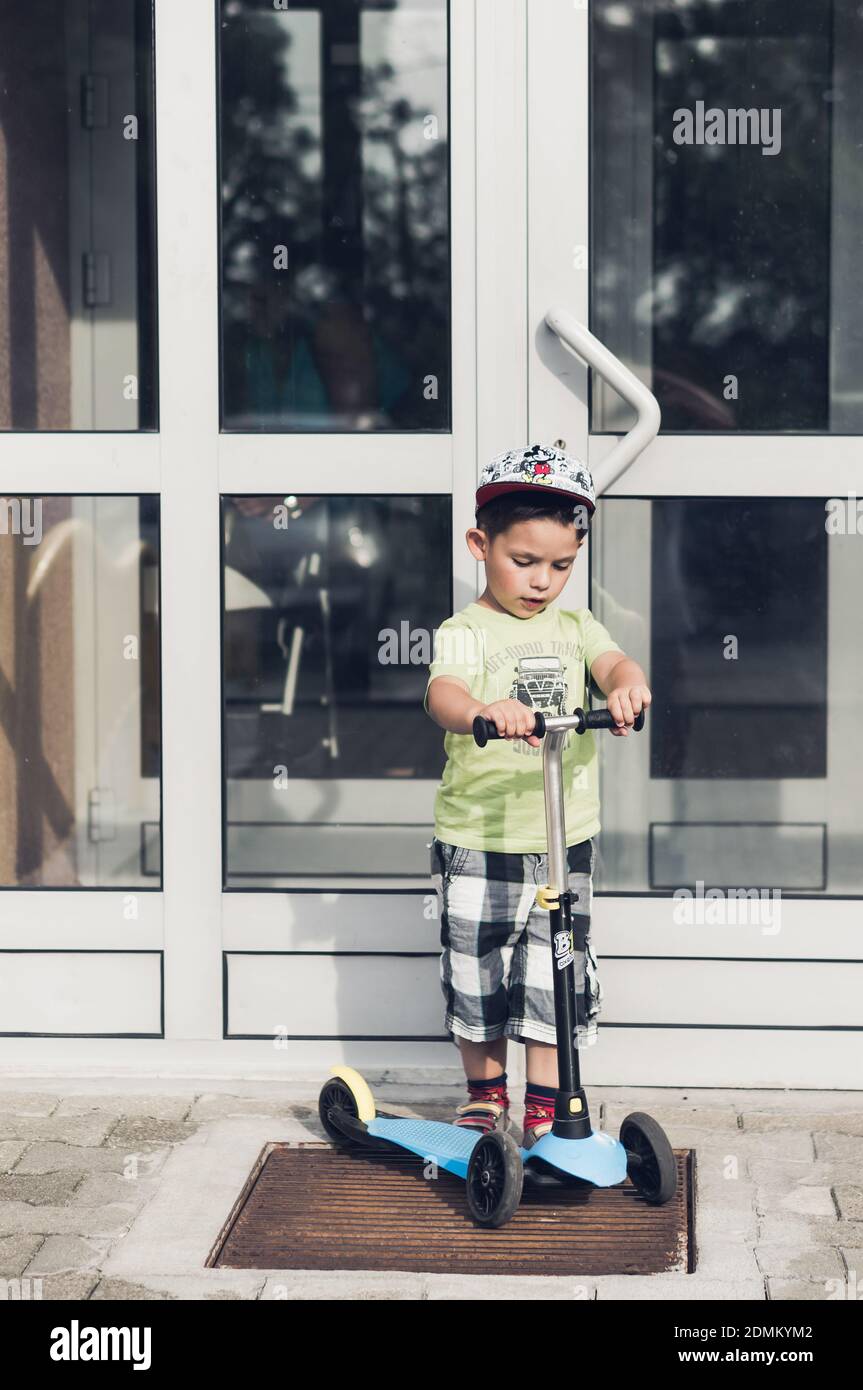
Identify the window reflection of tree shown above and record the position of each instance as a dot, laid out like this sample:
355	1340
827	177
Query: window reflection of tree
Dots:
318	593
734	268
348	335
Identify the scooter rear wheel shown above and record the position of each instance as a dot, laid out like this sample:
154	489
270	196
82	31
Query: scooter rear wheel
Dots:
650	1162
336	1095
494	1179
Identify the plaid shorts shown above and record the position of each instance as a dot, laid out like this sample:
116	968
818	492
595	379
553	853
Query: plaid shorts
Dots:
496	964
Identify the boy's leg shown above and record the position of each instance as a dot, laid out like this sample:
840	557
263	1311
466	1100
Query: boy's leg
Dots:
479	893
480	896
541	1067
483	1061
532	990
540	1089
531	1011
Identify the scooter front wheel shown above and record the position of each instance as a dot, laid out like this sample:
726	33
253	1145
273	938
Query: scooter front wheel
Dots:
346	1091
650	1162
494	1179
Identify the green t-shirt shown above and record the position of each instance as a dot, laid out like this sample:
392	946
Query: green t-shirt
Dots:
492	798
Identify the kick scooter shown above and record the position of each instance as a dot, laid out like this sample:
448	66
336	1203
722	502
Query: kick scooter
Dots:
493	1166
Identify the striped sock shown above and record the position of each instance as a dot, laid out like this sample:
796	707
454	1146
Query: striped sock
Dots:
492	1089
538	1105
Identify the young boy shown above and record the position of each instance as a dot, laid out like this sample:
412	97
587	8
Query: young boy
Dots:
504	656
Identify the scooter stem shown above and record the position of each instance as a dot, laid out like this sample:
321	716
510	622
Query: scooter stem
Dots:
552	755
572	1119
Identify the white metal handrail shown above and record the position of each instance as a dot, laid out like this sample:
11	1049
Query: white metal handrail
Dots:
611	369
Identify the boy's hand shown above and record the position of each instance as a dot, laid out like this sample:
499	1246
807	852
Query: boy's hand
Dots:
513	720
625	702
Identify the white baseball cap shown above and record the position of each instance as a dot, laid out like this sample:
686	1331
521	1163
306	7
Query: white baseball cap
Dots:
537	468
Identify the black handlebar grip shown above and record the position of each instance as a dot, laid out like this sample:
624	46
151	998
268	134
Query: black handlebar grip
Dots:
604	719
484	729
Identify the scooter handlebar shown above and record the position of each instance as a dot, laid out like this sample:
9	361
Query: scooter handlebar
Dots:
484	729
603	719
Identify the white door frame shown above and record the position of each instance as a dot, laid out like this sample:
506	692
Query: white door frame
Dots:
519	197
190	924
666	984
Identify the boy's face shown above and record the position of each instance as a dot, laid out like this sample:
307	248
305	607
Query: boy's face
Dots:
526	566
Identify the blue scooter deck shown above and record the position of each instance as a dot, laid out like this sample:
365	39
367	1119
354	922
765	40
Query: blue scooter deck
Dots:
600	1159
447	1145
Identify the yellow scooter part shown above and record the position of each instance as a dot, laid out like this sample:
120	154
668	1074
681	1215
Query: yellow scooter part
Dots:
547	899
359	1089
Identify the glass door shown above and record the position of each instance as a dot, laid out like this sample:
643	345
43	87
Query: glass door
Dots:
693	200
347	419
240	431
82	933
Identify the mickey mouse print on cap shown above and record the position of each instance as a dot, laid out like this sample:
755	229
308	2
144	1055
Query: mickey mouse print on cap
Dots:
534	467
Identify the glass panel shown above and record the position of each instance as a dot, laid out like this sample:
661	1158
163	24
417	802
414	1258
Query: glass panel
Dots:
77	221
80	701
727	210
747	774
330	608
335	216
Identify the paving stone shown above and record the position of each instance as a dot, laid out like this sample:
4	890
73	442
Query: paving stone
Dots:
717	1144
789	1262
121	1290
25	1289
767	1172
38	1188
787	1099
713	1162
142	1131
16	1252
10	1152
219	1107
837	1147
83	1130
130	1105
725	1258
850	1202
52	1158
491	1287
716	1218
800	1199
356	1285
673	1117
238	1285
790	1290
786	1228
67	1254
101	1189
853	1257
663	1288
840	1122
19	1217
26	1103
69	1288
711	1187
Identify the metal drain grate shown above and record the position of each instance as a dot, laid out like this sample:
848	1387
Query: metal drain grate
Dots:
311	1206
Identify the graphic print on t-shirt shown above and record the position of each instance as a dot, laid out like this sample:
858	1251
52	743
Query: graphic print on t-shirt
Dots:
540	683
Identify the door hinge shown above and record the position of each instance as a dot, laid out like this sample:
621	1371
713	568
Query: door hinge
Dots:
97	279
101	815
94	101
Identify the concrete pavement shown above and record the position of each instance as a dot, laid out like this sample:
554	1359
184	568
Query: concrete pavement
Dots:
119	1190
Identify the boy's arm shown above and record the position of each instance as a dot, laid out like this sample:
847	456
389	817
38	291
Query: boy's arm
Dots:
624	685
451	704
